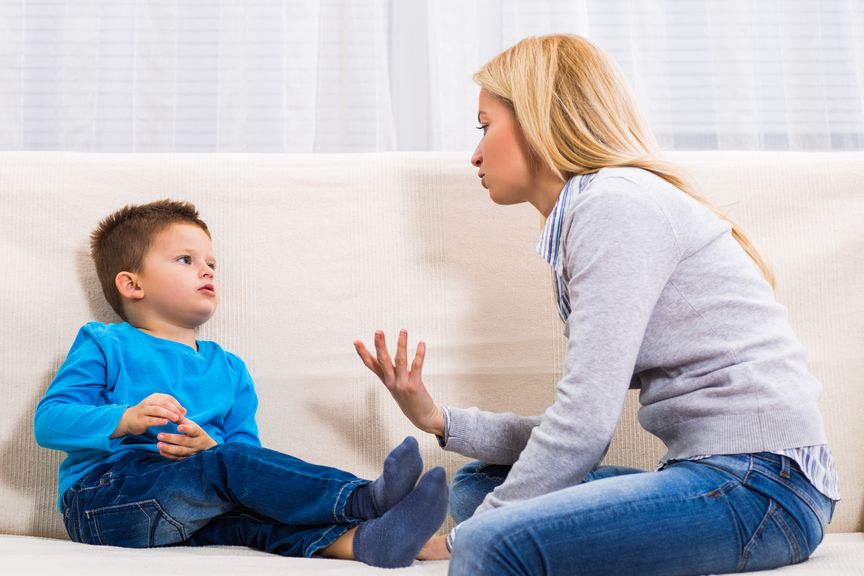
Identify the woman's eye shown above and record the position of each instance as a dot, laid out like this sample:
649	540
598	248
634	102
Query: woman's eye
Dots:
482	127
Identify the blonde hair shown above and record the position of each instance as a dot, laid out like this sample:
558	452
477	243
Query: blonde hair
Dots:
577	114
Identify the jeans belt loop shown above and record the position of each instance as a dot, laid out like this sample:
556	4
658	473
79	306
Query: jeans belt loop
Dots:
785	467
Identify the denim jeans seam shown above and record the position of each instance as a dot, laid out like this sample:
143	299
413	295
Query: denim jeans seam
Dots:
736	478
747	551
814	507
751	464
239	515
722	489
71	522
67	508
488	476
476	476
341	501
94	514
797	556
88	488
316	544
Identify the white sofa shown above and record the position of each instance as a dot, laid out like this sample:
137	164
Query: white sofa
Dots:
317	250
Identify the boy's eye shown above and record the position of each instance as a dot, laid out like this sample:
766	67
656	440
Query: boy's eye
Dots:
185	259
212	265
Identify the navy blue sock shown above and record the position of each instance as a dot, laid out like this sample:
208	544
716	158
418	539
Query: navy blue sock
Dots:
402	467
394	539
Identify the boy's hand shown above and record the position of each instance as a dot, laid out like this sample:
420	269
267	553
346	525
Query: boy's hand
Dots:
191	440
155	410
405	386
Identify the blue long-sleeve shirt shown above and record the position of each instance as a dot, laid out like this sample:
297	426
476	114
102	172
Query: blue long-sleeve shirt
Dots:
111	367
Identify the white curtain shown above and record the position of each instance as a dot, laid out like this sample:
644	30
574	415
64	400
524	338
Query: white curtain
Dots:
374	75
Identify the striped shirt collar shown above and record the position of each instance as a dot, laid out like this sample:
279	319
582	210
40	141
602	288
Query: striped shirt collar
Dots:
549	246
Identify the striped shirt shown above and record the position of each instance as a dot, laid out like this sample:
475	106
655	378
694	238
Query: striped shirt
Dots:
815	462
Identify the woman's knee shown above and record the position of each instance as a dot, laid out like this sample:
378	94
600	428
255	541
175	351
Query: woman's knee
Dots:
470	485
485	545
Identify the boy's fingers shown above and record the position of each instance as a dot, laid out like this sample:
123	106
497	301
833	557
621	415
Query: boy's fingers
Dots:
168	401
153	421
175	439
189	428
174	406
175	449
162	412
174	452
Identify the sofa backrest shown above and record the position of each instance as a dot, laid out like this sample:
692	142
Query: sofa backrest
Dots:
317	250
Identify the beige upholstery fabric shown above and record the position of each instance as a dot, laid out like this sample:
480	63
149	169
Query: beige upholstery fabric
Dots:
315	251
839	555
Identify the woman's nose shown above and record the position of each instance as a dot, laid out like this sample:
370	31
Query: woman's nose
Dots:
476	158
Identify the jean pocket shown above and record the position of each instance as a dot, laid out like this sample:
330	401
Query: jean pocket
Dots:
142	524
777	541
70	520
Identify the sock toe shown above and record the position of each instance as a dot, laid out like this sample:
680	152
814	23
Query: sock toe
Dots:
402	468
395	539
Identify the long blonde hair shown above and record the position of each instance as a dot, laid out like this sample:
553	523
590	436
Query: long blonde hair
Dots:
578	115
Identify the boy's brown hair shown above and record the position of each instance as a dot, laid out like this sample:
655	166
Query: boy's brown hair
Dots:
122	239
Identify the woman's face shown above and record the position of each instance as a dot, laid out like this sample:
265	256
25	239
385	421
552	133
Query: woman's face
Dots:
501	155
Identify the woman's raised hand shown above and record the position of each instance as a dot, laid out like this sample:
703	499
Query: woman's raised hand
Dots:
405	386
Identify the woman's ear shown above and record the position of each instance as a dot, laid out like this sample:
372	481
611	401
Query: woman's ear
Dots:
128	286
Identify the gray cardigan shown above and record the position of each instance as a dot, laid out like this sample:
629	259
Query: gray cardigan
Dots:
665	299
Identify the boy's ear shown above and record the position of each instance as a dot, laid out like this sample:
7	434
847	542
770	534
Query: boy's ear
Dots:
128	286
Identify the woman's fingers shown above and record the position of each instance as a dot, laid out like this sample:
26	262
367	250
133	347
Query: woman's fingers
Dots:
406	387
402	355
383	357
417	364
393	371
370	362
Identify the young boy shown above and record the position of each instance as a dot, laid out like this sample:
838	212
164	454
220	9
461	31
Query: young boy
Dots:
159	428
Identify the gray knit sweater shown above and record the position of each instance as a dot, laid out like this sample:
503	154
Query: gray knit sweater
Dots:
665	299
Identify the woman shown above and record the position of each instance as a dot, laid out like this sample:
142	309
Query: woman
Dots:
658	291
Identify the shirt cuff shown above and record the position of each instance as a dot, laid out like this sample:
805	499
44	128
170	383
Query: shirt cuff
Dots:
451	539
442	440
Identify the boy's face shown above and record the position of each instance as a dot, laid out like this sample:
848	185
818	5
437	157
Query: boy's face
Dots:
178	277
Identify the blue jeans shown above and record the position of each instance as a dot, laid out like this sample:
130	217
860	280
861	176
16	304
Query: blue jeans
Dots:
722	514
232	494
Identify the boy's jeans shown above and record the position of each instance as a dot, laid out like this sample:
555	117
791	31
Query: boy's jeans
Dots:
232	494
722	514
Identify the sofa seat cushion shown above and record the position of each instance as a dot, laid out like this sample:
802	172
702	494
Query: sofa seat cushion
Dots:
839	555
